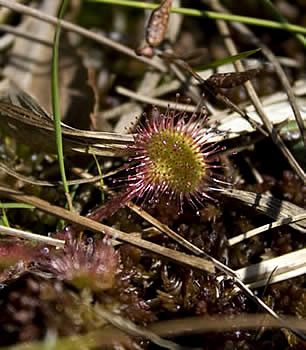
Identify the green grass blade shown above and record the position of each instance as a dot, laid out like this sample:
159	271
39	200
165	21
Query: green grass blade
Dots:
55	103
210	14
223	61
101	181
14	205
3	217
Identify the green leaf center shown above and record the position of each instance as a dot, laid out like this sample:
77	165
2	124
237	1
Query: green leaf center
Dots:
176	160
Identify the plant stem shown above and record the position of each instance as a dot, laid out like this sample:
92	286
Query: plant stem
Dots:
56	106
210	14
101	181
4	217
15	205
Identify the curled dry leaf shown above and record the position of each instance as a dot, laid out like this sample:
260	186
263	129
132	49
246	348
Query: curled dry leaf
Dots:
231	80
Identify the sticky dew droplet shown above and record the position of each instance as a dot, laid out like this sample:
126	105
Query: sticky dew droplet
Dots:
45	250
90	240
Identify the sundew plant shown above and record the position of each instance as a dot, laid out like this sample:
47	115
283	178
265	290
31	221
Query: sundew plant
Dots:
173	157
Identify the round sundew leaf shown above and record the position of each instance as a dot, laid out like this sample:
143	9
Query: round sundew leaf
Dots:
173	160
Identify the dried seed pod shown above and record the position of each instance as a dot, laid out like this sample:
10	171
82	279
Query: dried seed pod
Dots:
158	24
230	80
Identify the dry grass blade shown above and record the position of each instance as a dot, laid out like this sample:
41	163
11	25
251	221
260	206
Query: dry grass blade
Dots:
35	182
182	258
153	101
196	325
256	231
287	266
269	205
130	328
8	170
31	236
